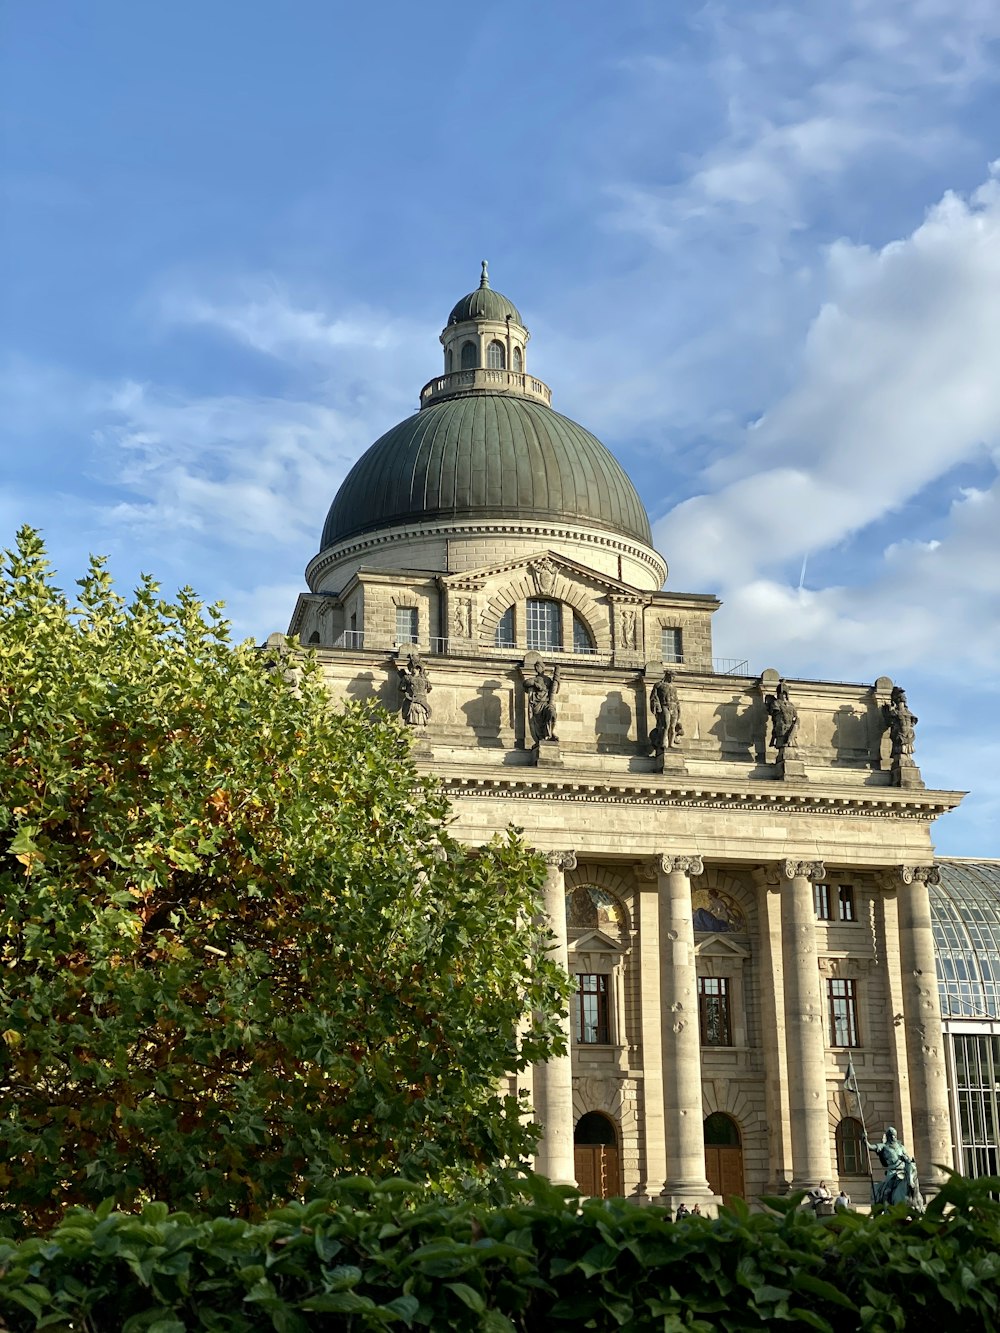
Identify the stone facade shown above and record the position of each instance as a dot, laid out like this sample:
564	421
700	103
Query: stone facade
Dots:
720	988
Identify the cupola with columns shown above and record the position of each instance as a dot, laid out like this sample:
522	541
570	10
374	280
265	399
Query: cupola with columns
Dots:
485	347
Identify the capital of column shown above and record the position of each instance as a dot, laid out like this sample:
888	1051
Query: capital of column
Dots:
891	879
811	870
684	865
561	860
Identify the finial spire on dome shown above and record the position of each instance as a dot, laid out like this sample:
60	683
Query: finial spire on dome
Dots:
484	281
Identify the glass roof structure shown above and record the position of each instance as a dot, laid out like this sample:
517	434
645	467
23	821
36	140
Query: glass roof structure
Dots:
965	912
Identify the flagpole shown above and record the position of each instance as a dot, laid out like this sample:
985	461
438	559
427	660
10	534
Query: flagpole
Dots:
851	1085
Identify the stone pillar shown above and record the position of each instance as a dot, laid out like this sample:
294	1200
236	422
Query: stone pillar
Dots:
772	1013
932	1139
553	1079
681	1039
649	1011
805	1035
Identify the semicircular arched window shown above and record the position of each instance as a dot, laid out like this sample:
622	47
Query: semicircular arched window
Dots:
518	360
448	361
470	356
722	1131
496	357
582	639
544	625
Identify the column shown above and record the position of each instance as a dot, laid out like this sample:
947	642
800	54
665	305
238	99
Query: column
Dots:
805	1035
680	1036
553	1080
772	1014
649	1016
932	1144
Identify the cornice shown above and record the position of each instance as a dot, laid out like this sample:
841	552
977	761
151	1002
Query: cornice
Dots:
593	535
877	803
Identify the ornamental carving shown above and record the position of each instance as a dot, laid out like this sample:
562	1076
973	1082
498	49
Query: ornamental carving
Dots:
684	865
811	870
560	860
544	574
922	874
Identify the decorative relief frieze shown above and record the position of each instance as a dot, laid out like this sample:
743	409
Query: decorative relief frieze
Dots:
587	793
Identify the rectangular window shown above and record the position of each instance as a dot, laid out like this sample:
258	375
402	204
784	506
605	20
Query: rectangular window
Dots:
590	1006
713	1011
821	898
544	625
842	996
406	624
671	644
845	900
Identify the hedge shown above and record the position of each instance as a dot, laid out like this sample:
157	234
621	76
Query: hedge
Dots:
391	1256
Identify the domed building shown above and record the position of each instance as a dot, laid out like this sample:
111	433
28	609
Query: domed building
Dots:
739	864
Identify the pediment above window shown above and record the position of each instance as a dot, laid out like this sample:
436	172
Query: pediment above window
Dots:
594	942
720	946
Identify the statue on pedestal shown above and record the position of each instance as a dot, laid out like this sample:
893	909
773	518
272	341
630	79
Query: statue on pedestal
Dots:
665	707
540	691
900	1184
784	719
900	723
414	687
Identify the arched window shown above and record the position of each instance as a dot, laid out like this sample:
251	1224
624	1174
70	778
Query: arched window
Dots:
582	641
495	356
595	1128
470	356
504	637
544	625
448	361
851	1155
721	1131
518	360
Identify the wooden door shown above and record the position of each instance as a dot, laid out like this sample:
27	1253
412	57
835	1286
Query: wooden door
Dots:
724	1168
597	1170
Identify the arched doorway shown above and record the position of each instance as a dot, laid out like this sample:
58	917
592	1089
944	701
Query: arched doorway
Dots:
596	1156
724	1156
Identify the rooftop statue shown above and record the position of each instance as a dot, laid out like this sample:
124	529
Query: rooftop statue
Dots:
666	709
784	718
900	722
900	1184
414	687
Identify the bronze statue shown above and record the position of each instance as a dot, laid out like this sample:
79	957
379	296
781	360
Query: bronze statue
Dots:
540	691
666	709
900	1184
784	718
414	687
901	723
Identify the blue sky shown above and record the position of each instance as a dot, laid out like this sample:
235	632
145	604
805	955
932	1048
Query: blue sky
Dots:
757	245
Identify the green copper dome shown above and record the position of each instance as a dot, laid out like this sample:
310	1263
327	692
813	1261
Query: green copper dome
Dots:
484	303
486	456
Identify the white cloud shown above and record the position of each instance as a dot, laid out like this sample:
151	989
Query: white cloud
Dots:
897	385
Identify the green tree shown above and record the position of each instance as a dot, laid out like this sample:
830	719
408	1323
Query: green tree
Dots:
241	953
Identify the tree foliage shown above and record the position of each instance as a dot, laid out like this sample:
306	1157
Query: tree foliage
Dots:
241	951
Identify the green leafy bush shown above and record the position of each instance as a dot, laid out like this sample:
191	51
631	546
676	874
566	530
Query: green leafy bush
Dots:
388	1256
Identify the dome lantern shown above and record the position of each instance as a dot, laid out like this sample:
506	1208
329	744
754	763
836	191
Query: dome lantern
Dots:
485	346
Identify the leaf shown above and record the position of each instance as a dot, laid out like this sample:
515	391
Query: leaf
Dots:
468	1296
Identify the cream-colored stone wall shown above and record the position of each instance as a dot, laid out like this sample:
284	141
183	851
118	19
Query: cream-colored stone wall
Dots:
721	806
